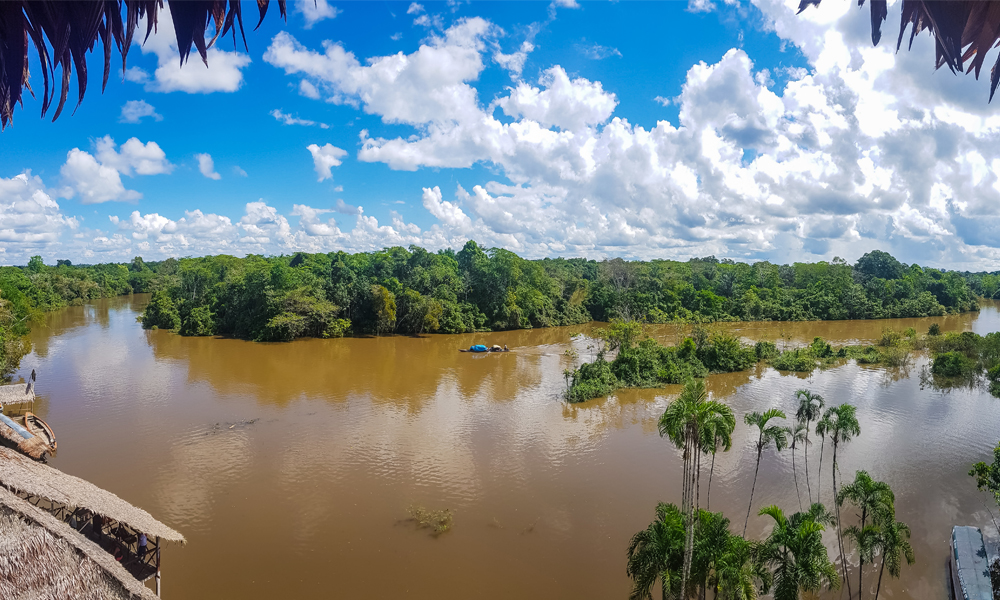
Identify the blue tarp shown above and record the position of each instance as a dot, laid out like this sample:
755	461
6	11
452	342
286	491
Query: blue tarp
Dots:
20	430
972	564
478	348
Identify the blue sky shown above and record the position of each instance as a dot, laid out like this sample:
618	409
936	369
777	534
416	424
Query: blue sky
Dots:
635	129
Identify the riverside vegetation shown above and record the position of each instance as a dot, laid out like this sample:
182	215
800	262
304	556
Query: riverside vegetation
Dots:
958	359
413	291
689	551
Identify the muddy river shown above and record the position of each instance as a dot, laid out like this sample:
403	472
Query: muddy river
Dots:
290	467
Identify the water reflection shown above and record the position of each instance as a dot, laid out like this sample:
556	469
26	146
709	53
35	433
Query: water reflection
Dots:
308	499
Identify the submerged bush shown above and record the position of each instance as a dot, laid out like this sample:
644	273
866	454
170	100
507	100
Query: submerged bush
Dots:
592	380
794	360
724	353
438	521
953	364
765	349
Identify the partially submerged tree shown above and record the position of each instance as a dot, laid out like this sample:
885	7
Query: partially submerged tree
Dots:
686	421
810	409
768	434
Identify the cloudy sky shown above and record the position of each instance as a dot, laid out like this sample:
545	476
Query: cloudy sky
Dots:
598	129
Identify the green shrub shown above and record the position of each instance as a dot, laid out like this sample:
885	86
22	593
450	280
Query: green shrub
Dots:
161	312
953	364
794	360
934	329
765	350
723	353
820	349
895	356
890	337
592	380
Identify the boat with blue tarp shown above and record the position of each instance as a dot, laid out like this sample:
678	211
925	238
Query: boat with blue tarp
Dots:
970	568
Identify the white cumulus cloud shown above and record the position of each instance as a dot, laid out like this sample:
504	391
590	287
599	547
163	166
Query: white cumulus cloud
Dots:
207	166
97	178
224	72
325	158
134	111
314	11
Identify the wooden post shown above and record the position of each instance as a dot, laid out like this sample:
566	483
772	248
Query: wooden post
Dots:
157	566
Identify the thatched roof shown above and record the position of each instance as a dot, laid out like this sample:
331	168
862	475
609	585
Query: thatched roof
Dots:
17	393
63	31
43	558
19	473
963	30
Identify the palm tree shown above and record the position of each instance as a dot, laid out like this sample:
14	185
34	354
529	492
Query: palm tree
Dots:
810	409
739	570
657	553
841	424
866	539
876	501
795	551
893	536
799	433
768	434
685	422
718	432
711	543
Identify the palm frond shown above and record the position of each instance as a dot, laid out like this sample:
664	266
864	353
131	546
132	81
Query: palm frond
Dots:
972	25
62	32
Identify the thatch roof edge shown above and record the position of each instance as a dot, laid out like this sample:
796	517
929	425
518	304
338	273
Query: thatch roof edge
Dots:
112	569
20	473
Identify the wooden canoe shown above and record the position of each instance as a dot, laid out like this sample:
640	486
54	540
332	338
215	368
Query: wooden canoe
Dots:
40	428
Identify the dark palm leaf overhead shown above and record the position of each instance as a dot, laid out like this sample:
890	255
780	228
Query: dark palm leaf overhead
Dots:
62	32
972	25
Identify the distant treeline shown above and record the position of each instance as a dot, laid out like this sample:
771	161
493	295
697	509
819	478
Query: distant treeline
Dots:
412	291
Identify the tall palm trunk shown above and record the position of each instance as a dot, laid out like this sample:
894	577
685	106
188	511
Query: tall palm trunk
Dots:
690	457
879	586
752	488
840	527
795	474
819	473
711	472
861	556
805	451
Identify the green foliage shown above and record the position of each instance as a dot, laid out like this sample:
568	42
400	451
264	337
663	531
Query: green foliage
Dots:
592	380
198	322
794	360
724	353
620	334
651	364
161	312
438	521
934	329
765	350
721	560
953	364
795	553
987	476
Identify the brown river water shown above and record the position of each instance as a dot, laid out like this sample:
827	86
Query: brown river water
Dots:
311	499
